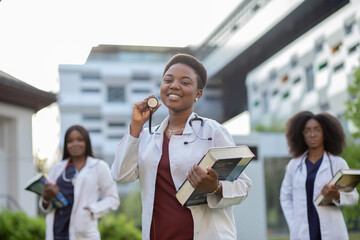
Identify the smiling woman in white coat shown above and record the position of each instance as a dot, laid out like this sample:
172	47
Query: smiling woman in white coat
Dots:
315	141
86	183
164	158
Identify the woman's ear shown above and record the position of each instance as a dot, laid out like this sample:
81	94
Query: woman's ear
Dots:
198	94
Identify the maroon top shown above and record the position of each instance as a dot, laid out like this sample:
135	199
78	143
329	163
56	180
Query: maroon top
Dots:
170	220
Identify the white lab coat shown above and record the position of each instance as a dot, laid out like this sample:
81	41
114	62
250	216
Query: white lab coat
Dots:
94	180
138	158
294	205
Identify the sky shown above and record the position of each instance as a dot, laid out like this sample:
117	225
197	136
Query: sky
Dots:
38	35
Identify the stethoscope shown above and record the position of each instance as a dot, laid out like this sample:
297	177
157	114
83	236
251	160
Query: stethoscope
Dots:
299	167
71	179
152	103
197	118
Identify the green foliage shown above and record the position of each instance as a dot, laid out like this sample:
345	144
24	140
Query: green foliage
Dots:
271	128
131	207
17	225
352	151
352	156
353	104
118	227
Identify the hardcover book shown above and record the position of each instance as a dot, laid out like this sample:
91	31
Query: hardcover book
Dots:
228	162
345	180
36	185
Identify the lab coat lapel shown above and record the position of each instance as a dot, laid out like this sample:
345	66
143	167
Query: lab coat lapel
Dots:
158	135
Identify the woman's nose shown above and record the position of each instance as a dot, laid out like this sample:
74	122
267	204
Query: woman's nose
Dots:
174	85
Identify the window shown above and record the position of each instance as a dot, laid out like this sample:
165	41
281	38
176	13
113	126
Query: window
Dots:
324	107
353	48
339	67
141	91
116	94
309	78
322	66
273	75
348	28
116	124
284	79
142	76
254	88
115	137
319	46
90	76
90	90
256	7
336	48
297	80
285	95
294	61
91	117
94	130
265	101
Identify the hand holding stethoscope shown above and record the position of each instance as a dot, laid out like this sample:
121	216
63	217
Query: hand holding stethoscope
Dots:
142	112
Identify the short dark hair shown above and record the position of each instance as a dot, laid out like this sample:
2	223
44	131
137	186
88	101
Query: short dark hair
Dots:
334	136
192	62
85	134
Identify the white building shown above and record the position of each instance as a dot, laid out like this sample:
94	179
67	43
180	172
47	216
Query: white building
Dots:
18	103
100	93
312	73
270	57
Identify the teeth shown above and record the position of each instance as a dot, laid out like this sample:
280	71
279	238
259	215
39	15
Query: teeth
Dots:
174	96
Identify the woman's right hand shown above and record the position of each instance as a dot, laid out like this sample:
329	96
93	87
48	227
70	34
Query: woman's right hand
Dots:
50	191
141	113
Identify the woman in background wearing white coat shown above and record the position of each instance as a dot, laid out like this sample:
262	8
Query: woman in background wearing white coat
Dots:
87	184
163	160
315	141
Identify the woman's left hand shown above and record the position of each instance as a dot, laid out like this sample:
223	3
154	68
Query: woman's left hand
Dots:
331	191
91	213
202	181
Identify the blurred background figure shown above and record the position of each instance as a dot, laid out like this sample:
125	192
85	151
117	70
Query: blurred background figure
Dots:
86	183
315	141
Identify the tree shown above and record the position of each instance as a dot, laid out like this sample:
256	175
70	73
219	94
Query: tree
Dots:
352	150
353	104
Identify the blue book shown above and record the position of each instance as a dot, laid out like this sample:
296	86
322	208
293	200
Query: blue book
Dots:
36	185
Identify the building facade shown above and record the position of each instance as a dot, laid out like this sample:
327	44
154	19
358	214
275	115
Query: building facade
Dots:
100	93
312	73
18	103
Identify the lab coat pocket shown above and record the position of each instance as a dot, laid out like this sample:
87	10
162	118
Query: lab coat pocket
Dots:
86	224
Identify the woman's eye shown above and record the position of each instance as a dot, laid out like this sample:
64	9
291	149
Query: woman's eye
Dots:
185	83
167	80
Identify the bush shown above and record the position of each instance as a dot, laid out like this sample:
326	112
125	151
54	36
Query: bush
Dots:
131	207
118	227
352	156
17	225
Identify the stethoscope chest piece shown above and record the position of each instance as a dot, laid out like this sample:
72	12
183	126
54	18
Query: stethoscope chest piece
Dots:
152	102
